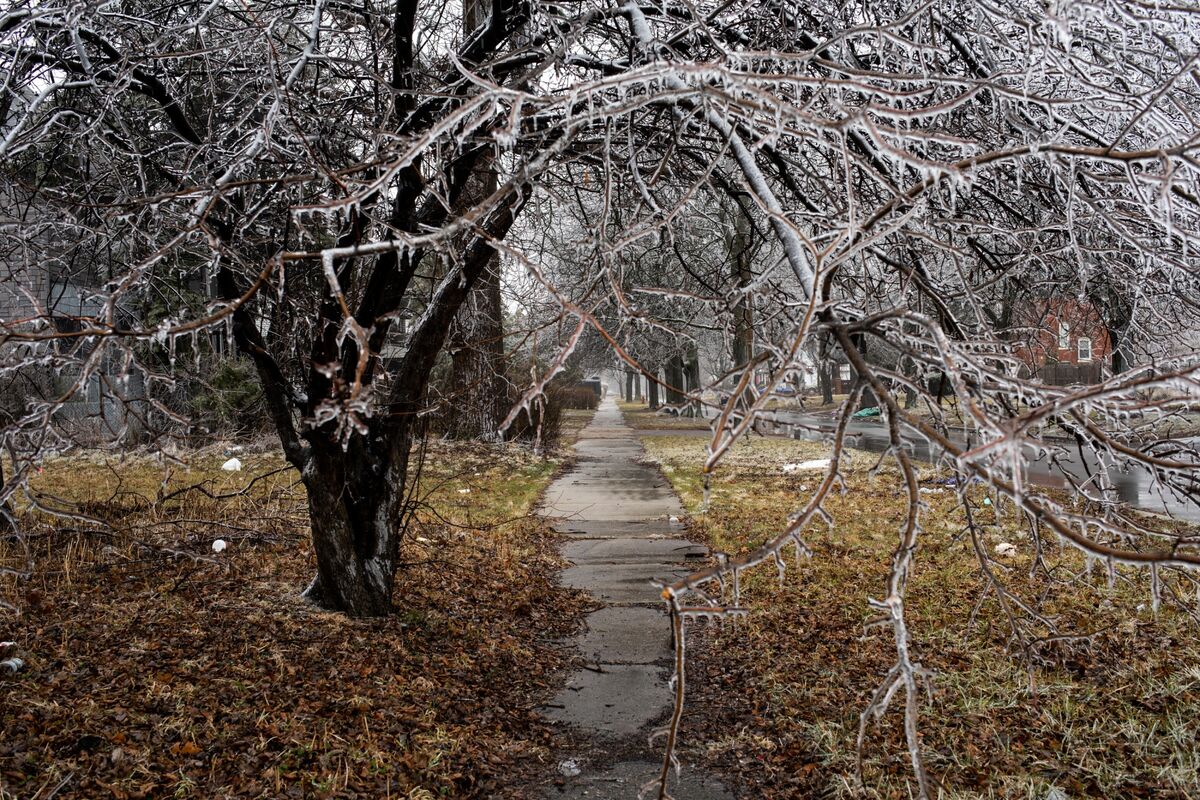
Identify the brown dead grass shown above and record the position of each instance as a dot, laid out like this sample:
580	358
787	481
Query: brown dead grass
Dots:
775	699
157	668
639	417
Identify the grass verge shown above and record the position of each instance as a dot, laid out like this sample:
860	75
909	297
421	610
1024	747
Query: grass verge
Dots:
573	421
639	416
775	700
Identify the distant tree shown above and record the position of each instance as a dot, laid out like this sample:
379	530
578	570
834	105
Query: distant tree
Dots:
479	389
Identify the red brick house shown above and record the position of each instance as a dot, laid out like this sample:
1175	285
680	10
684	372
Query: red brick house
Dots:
1065	341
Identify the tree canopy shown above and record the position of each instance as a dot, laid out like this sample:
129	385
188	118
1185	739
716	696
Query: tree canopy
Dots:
301	181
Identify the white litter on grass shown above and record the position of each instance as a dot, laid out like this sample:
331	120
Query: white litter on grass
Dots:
464	491
422	540
13	664
673	518
1005	549
927	490
232	465
816	463
219	545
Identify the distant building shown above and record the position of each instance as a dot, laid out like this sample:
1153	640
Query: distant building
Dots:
1065	342
43	289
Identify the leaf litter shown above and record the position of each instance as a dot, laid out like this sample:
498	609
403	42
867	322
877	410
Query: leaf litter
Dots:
775	699
159	664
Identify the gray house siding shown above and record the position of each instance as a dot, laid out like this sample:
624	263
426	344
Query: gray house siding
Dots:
105	407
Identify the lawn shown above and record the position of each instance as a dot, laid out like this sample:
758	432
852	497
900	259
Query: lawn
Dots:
573	421
775	699
639	417
160	668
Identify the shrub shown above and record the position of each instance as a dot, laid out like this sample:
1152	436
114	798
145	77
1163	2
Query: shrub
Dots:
230	400
580	397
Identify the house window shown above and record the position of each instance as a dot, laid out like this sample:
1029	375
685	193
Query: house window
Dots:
1084	349
844	372
1064	336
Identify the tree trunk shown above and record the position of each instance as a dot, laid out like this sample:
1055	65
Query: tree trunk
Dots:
910	368
1117	334
825	368
866	398
628	387
1116	315
652	390
356	504
479	387
825	378
8	522
743	276
356	483
673	374
692	377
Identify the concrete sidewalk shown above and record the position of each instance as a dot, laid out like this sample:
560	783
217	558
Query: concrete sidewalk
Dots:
617	517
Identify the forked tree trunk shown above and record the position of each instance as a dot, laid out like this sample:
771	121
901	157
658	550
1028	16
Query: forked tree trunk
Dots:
356	480
356	492
356	508
1119	363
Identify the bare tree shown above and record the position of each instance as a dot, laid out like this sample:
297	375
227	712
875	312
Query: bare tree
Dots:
284	160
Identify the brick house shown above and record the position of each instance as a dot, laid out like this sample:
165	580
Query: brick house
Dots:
1065	342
